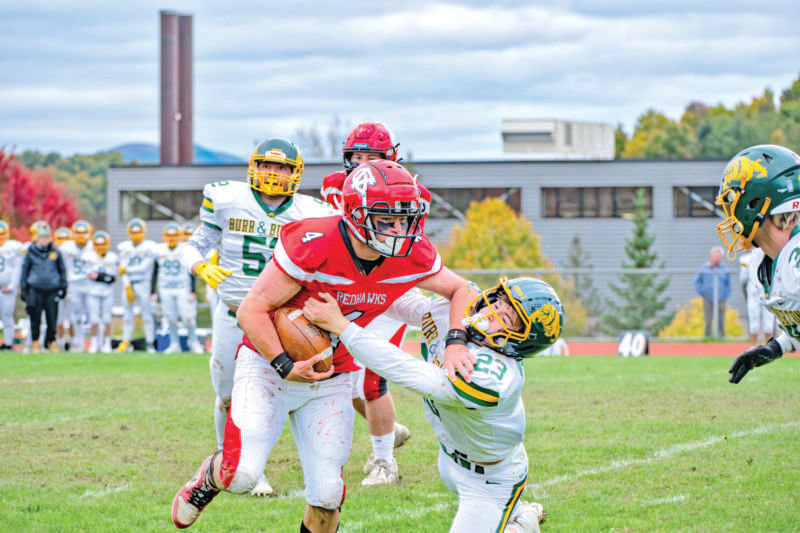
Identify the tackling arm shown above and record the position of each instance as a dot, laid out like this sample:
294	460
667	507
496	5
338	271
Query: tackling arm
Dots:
397	366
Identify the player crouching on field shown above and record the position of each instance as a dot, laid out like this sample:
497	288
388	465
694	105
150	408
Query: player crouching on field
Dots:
761	200
480	424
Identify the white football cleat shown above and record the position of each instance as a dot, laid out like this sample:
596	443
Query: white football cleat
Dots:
382	473
262	488
401	435
173	348
193	497
93	346
107	346
528	517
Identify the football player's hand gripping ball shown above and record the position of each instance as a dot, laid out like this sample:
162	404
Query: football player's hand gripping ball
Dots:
755	356
213	275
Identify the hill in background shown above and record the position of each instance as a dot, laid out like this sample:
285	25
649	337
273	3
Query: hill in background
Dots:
149	153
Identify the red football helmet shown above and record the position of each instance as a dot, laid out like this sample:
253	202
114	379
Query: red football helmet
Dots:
382	188
369	137
331	190
425	204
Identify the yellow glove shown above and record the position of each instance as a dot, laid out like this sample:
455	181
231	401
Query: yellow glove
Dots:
213	275
129	294
122	270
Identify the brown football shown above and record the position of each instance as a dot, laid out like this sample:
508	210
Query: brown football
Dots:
301	339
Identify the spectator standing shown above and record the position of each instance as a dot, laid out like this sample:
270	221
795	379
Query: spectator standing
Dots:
43	283
713	283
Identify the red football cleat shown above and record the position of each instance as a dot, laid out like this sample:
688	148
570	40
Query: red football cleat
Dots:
193	497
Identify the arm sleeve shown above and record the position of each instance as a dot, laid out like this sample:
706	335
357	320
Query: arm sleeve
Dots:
154	279
195	249
62	272
409	308
397	366
23	278
192	283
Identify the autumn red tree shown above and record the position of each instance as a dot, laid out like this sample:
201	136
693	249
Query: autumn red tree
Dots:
27	196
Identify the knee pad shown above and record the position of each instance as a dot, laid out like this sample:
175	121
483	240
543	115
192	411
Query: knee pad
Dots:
223	404
327	493
374	386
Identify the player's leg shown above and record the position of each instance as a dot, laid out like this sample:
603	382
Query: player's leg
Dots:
106	303
7	301
127	322
142	292
189	316
169	307
323	432
385	434
63	322
76	310
226	337
487	507
258	414
94	320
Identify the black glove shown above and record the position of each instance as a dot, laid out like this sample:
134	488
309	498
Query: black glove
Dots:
23	295
62	293
755	356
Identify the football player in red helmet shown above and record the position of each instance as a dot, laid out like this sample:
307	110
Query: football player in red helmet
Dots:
371	397
366	263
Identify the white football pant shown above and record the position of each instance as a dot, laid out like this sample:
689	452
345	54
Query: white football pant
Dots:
7	303
321	419
141	290
226	336
77	309
487	501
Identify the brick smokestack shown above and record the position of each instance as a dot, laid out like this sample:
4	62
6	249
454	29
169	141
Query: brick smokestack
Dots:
169	88
185	89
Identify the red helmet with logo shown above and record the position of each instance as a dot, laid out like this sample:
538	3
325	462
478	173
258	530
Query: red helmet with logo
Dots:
371	137
425	204
382	188
331	190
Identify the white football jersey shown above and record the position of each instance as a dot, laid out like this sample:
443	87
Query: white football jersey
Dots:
108	264
10	262
77	262
137	260
171	275
780	282
493	423
250	230
483	420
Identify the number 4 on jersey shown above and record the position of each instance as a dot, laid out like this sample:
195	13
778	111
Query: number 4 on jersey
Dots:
310	236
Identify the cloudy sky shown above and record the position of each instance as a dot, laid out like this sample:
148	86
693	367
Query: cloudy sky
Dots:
82	76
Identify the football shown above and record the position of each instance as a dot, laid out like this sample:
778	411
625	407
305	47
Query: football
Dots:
301	339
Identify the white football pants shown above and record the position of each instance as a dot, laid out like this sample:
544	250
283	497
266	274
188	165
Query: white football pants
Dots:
141	290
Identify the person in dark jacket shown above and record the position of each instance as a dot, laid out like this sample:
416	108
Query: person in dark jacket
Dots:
713	282
43	283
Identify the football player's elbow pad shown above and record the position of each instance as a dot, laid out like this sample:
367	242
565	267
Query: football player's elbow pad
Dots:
213	275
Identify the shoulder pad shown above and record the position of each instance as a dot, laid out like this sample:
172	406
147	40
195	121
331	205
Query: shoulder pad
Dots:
306	242
424	255
223	193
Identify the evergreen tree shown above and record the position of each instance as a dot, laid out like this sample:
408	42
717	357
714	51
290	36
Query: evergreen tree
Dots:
583	284
640	298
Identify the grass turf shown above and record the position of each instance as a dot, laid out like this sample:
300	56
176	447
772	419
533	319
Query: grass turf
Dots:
103	442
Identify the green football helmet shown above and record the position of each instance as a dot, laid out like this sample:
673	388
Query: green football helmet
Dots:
274	183
759	181
536	304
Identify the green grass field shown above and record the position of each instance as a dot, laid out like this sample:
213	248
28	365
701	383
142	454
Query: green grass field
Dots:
102	443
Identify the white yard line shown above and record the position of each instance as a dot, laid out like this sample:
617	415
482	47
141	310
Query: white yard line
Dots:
670	499
105	492
664	453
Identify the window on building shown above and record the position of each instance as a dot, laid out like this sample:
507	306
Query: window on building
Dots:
160	205
592	202
691	202
445	201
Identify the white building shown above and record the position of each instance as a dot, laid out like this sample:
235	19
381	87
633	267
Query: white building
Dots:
557	139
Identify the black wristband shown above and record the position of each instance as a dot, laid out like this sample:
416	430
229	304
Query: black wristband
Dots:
456	336
282	364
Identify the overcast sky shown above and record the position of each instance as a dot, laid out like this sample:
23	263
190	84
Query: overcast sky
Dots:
83	76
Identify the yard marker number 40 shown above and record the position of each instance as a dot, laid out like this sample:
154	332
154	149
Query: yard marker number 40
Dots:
634	343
